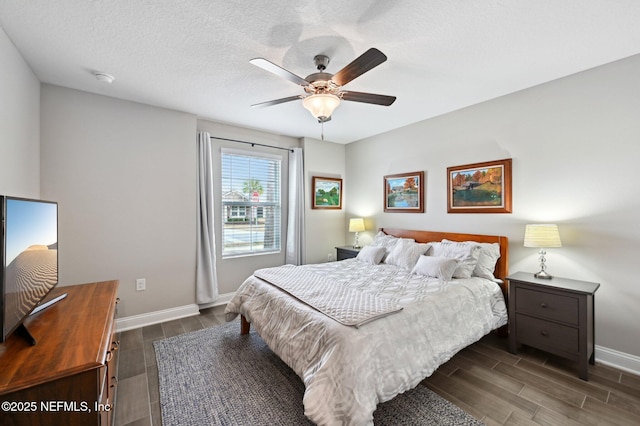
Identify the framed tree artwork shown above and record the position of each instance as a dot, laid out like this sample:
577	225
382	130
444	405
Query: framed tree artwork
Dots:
327	193
480	187
404	193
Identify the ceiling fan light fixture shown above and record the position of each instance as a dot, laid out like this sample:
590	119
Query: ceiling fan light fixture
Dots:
321	105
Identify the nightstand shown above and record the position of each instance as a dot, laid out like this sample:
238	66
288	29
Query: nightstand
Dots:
346	252
555	316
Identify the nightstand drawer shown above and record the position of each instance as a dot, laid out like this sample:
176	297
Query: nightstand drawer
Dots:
547	305
549	336
347	252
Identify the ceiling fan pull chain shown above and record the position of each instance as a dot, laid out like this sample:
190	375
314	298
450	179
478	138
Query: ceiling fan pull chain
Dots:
322	130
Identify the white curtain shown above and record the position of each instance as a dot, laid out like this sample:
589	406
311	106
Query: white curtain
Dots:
206	279
295	253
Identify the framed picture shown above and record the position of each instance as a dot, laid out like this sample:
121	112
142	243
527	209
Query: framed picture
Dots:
404	193
480	187
327	193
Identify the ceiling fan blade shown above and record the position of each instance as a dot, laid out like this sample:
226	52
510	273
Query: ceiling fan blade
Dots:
368	98
363	63
279	71
277	101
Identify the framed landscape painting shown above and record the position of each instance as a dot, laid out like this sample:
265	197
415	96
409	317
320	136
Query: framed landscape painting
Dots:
480	187
327	193
404	193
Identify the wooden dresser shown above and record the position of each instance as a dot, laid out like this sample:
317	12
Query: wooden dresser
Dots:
554	315
68	377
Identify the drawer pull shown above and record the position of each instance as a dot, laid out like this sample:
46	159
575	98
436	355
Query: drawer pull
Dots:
545	333
109	357
544	305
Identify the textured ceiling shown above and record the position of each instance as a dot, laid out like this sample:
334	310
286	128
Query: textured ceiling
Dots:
193	55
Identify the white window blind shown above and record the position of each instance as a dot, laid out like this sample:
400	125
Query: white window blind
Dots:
251	209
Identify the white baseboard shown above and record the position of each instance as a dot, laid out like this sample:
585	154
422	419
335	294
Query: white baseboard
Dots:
222	299
620	360
143	320
610	357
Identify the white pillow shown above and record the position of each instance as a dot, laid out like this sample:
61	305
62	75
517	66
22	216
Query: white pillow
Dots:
381	239
387	241
434	266
465	253
370	254
489	255
406	252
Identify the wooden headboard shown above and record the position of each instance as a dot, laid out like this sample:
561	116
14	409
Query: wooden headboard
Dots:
502	266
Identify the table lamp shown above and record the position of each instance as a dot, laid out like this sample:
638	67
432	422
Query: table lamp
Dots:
542	236
356	225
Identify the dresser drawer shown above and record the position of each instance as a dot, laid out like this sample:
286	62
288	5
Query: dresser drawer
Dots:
547	305
548	336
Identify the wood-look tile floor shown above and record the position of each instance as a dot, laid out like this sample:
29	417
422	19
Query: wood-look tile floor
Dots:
137	396
496	387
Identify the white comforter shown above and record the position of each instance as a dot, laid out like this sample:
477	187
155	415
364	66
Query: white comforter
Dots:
347	371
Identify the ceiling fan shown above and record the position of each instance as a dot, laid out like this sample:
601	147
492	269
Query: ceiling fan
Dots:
323	91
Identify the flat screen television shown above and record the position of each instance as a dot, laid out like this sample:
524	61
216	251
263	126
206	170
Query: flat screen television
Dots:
29	260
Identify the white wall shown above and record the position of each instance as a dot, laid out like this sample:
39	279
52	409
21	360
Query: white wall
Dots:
124	175
324	229
575	144
19	124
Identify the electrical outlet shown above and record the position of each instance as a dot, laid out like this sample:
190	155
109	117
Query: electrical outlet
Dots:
329	257
141	284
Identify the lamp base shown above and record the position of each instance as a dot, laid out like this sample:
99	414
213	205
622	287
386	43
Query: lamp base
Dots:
543	274
356	243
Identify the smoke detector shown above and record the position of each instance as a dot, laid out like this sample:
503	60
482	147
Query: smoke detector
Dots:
104	77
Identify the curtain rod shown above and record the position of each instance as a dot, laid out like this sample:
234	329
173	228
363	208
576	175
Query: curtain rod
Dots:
251	143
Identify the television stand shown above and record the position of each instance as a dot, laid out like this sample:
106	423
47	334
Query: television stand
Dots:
24	333
22	330
45	305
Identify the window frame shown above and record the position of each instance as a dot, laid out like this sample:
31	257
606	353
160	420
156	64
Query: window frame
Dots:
261	206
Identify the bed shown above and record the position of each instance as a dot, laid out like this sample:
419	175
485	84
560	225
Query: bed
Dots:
358	332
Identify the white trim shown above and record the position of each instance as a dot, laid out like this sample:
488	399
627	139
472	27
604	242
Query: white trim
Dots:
222	299
143	320
619	360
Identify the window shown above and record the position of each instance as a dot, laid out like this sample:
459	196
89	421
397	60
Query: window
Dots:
250	203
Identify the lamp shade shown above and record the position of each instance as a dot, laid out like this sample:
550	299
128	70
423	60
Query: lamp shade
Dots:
322	105
542	235
356	225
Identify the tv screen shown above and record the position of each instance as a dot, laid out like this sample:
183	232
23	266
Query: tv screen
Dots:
29	252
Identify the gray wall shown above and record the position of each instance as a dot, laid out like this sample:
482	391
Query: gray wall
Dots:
124	175
19	124
324	229
575	147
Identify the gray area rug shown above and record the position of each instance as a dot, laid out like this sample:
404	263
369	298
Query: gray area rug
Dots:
215	376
